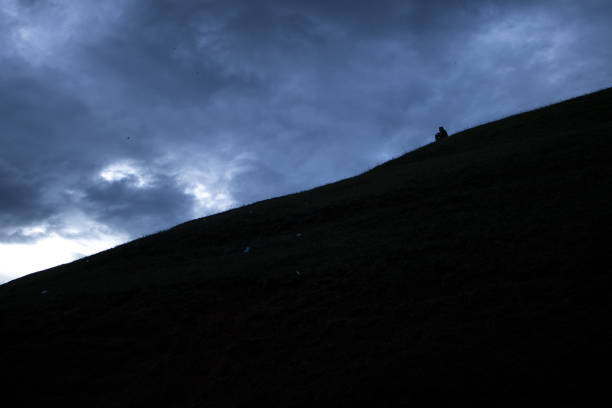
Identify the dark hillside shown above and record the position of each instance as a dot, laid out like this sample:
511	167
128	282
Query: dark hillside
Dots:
471	268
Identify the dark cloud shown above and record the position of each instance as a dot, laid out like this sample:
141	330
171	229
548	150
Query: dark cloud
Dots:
222	103
258	184
21	197
122	204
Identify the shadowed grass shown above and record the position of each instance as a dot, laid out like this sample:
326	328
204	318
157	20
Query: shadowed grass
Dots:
469	268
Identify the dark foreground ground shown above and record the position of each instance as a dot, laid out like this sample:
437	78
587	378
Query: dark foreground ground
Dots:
475	268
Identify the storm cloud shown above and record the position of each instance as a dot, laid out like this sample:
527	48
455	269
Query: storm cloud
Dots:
122	118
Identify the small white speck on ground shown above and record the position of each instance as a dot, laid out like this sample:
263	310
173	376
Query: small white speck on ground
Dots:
44	292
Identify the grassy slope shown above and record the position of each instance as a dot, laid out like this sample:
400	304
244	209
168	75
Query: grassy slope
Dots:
469	268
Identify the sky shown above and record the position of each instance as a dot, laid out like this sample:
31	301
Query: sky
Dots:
122	118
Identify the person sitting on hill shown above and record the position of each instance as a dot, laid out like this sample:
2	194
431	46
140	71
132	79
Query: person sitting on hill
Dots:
441	134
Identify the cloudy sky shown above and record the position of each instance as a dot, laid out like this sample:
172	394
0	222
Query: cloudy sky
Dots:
120	118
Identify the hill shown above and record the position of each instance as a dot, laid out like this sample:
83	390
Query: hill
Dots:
472	268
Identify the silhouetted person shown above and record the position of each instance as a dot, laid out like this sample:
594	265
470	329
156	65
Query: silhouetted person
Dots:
441	134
